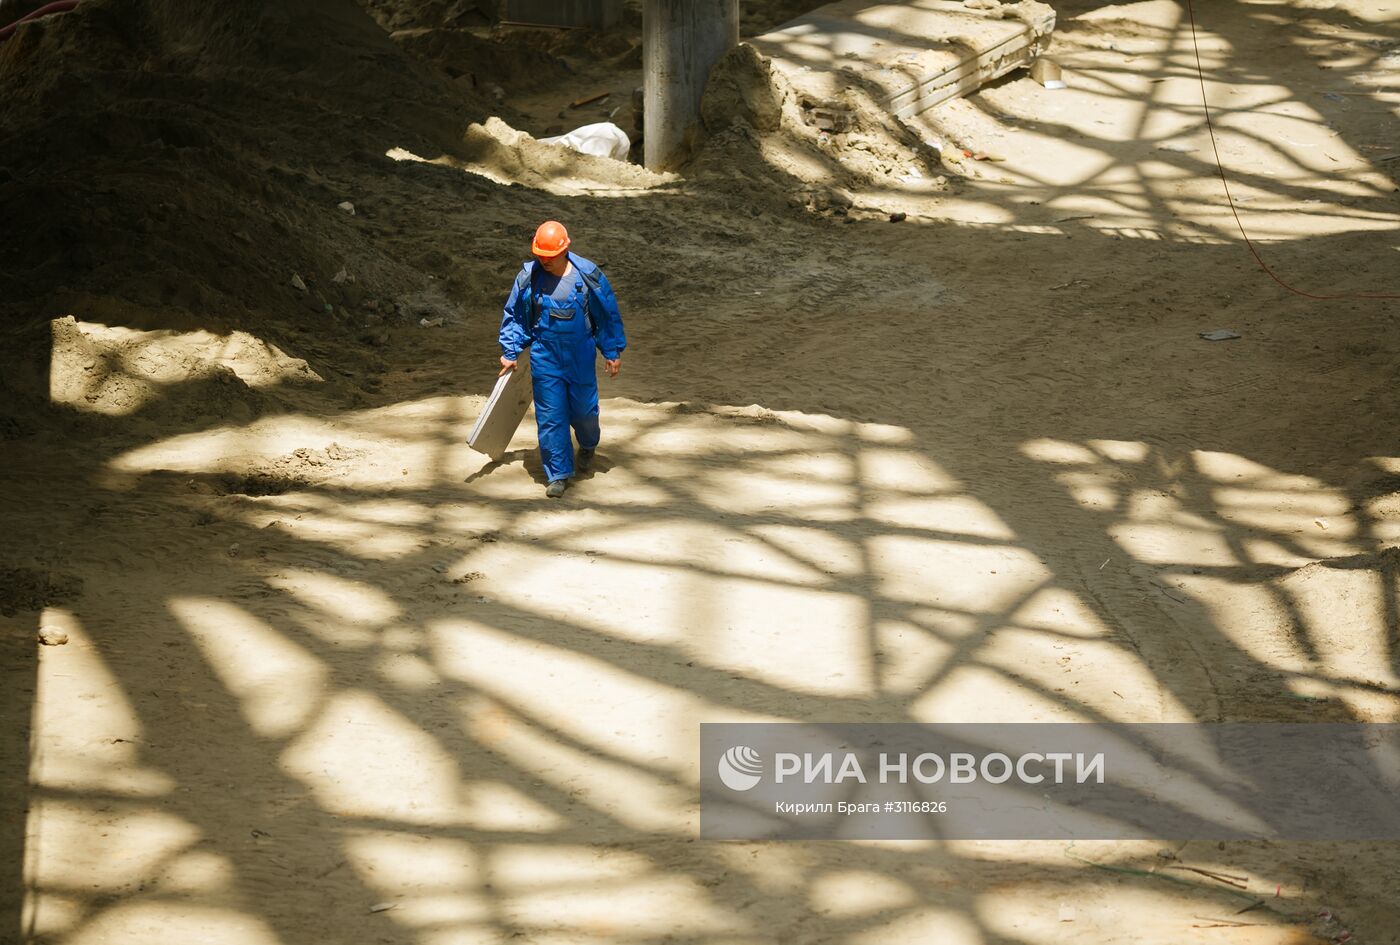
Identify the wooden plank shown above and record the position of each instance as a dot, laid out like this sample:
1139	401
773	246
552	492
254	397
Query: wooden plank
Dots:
589	99
908	56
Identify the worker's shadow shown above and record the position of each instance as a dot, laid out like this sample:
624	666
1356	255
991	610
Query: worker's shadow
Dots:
600	464
530	459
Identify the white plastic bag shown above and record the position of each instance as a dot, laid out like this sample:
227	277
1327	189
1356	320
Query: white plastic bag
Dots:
601	140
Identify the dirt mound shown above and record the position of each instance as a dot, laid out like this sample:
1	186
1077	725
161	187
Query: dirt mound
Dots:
190	159
755	125
298	469
498	151
744	90
117	370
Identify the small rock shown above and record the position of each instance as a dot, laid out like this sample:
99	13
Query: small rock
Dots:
898	217
342	276
382	906
52	636
430	322
298	283
498	93
233	550
347	206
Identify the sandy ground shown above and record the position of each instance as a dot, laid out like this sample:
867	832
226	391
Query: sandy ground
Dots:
332	678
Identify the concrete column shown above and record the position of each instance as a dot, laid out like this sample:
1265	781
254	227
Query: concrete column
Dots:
681	42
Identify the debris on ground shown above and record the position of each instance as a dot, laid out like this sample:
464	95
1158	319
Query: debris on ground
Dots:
602	139
1048	73
588	99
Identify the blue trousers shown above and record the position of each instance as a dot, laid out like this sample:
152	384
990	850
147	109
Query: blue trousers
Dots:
561	403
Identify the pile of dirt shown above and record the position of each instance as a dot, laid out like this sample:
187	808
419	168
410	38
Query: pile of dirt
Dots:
754	125
115	370
191	159
298	469
496	150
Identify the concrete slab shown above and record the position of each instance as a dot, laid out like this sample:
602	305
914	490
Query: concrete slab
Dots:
504	410
908	56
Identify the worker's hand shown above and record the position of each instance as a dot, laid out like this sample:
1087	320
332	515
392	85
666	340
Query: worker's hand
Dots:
613	366
506	366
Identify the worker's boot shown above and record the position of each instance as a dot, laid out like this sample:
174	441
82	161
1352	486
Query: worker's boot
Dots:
585	459
556	488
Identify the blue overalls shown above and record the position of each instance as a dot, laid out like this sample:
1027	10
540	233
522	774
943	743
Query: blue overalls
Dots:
562	344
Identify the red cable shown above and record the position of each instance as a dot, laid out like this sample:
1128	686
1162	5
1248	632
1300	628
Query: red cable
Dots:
1200	74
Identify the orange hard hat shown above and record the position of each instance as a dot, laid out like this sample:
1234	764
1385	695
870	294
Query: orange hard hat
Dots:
551	239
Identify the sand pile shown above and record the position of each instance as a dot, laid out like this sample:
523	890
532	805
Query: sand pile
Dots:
500	152
755	127
115	370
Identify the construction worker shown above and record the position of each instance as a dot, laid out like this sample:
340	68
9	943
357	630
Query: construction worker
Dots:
563	309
